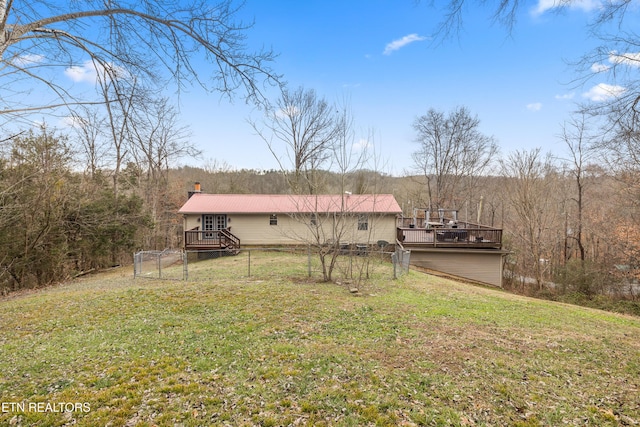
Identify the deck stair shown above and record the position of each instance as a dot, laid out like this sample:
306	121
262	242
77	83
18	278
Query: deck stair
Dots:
229	242
211	240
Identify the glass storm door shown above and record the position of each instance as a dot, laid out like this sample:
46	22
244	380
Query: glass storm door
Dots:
208	224
220	222
213	223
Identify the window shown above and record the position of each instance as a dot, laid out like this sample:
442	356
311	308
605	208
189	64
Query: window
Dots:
363	222
273	219
314	219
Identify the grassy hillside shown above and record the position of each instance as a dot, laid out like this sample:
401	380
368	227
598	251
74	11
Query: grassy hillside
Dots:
273	350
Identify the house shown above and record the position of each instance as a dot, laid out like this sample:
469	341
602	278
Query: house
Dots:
436	241
227	221
458	248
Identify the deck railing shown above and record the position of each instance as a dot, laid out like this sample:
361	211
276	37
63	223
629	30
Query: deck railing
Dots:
451	237
229	240
407	222
200	239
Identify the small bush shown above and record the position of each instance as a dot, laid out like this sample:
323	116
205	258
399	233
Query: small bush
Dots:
584	277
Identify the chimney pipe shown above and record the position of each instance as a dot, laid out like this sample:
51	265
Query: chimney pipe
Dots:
196	189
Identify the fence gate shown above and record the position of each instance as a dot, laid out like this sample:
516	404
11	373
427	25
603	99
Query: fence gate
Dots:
169	264
400	260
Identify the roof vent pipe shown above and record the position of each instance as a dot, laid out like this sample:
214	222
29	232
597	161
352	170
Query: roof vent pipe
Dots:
196	189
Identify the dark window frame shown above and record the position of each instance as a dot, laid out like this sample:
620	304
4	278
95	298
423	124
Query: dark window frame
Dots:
363	222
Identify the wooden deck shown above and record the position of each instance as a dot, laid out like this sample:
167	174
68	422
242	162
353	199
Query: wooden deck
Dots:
451	238
444	235
203	240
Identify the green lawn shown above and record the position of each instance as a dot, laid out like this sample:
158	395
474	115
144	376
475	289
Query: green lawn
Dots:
279	349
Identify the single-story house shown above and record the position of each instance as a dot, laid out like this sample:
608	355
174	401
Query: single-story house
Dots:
231	220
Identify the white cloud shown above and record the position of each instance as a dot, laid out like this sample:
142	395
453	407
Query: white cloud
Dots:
361	145
565	96
73	122
88	72
82	73
603	92
535	106
400	43
628	58
543	6
28	59
599	68
584	5
288	111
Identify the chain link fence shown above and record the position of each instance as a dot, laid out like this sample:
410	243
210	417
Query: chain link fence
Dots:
352	264
400	259
257	263
169	264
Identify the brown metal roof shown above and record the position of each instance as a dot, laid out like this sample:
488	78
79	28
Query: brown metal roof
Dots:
282	203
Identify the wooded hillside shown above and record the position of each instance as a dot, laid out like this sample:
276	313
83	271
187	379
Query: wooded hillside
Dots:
57	220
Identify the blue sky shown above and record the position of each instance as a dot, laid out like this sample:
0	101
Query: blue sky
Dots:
378	54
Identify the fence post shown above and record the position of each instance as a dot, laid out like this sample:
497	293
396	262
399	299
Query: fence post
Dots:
309	260
394	262
185	266
249	262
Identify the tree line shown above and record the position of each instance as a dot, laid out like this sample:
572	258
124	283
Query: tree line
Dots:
85	199
570	220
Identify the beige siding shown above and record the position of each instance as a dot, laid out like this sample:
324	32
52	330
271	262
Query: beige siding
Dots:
480	266
254	229
191	222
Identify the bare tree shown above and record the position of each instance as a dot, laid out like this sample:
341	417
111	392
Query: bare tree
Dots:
154	40
504	12
303	126
529	190
88	128
314	134
157	142
579	143
453	154
119	120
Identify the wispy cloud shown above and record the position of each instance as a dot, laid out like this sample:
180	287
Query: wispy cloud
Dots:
599	68
28	59
565	96
400	43
603	92
534	106
88	72
82	73
628	58
72	122
361	145
584	5
288	111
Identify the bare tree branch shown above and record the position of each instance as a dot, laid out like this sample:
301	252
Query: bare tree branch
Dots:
453	154
302	128
155	41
